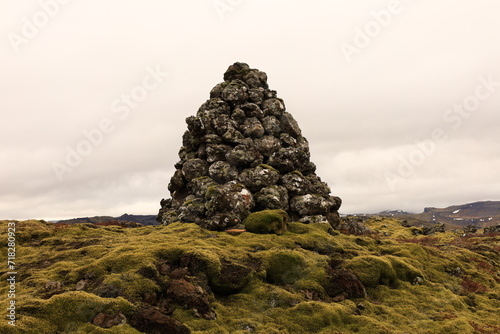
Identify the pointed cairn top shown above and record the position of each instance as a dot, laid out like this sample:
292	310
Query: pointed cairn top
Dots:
242	153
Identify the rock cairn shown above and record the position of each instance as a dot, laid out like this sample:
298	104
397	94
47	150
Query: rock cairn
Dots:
242	153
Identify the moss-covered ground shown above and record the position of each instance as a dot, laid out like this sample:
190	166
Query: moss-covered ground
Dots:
310	279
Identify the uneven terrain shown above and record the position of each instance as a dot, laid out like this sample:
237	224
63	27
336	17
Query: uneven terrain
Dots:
180	278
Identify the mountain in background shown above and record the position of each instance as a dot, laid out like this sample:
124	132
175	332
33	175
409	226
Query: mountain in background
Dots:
141	219
478	214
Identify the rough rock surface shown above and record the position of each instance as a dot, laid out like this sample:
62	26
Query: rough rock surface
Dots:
492	229
242	153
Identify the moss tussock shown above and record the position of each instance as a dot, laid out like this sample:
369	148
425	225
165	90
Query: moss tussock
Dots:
267	221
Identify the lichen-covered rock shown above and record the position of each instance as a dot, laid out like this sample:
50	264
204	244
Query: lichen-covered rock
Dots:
296	184
318	219
236	71
223	172
492	229
256	79
271	125
349	225
217	152
267	222
273	197
194	168
273	107
438	228
309	205
232	136
177	181
256	95
244	156
267	145
289	125
243	152
252	128
252	110
192	210
235	92
198	186
231	198
259	177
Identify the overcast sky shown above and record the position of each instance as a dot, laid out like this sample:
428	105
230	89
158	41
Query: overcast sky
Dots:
400	100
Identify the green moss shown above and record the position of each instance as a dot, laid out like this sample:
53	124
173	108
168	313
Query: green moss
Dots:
204	261
70	310
131	285
268	167
298	228
267	221
284	266
277	273
373	270
311	317
211	191
120	260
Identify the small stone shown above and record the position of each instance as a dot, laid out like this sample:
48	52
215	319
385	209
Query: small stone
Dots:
105	320
418	281
81	285
53	286
235	231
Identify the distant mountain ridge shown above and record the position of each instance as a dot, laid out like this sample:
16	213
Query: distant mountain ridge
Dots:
141	219
480	214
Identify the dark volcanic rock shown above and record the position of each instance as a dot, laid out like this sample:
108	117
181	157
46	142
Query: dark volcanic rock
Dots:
153	321
242	153
492	229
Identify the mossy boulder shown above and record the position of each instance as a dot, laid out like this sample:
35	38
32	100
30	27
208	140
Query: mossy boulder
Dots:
267	222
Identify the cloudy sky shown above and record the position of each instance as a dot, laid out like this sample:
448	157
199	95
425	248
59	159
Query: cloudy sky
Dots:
400	100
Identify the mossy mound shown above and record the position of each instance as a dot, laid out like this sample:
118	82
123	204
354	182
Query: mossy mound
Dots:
306	280
284	266
267	221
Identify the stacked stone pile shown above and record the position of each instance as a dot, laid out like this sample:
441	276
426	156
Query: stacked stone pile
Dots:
242	153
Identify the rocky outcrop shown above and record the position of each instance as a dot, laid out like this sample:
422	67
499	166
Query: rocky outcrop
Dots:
492	229
242	153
